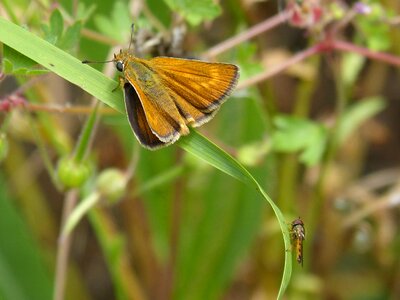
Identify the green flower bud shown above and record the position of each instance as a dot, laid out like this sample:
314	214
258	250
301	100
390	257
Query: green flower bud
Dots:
71	173
111	184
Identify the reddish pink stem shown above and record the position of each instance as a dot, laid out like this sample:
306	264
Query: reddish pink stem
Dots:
385	57
281	67
246	35
327	45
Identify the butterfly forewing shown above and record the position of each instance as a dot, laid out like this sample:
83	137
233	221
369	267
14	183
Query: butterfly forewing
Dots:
160	111
203	86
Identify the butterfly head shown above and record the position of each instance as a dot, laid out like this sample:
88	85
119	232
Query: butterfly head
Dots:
120	60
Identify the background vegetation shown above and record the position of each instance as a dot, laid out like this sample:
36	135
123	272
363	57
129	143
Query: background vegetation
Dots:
86	213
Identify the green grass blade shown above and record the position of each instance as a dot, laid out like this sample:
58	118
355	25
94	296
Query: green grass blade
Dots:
61	63
23	271
199	146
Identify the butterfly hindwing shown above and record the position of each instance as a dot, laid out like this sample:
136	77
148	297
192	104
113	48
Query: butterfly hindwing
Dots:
137	119
161	113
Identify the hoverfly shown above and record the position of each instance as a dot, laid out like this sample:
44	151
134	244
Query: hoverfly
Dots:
298	235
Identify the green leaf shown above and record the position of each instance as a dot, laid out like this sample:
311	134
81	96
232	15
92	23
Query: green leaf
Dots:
22	271
210	153
118	25
160	10
18	64
296	134
373	30
61	63
245	57
6	66
253	153
56	23
53	31
71	37
47	34
195	11
352	65
358	114
83	12
199	146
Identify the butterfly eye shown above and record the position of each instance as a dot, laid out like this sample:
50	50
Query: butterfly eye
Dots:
120	66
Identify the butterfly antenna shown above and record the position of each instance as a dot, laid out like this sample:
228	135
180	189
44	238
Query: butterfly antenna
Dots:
131	39
96	62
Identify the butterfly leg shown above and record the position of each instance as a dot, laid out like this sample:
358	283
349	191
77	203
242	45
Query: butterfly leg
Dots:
121	83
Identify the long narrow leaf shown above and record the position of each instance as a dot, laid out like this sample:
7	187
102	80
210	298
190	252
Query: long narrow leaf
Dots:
204	149
61	63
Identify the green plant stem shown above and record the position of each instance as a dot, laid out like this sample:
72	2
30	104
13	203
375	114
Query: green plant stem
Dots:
317	200
85	137
78	212
112	243
44	153
289	169
64	244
